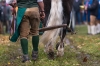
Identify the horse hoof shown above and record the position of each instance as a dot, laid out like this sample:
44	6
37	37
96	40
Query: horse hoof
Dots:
60	49
51	55
60	54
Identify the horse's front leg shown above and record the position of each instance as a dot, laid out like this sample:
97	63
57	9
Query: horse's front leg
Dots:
60	48
60	45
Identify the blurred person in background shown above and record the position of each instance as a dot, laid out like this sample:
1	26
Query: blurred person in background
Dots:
76	7
5	16
86	17
98	18
72	20
93	8
10	17
0	18
13	18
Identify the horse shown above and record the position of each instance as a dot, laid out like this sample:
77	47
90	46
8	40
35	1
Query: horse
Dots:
57	12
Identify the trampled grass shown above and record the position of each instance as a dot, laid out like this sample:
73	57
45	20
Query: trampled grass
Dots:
83	50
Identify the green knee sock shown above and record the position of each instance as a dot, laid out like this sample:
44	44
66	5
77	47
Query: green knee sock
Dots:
24	45
35	42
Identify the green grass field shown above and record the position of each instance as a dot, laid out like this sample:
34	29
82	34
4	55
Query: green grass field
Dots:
83	50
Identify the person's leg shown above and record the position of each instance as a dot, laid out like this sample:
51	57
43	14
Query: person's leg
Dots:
24	45
75	17
99	26
73	20
82	17
24	32
79	17
88	24
35	42
4	26
89	28
87	19
7	26
34	22
92	24
1	28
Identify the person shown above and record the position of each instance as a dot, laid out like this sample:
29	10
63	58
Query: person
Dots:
98	18
76	6
93	8
0	18
86	17
9	18
28	20
73	20
5	17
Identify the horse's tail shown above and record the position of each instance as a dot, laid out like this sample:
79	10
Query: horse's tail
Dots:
55	18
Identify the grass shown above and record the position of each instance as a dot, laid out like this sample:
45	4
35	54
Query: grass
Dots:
81	46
